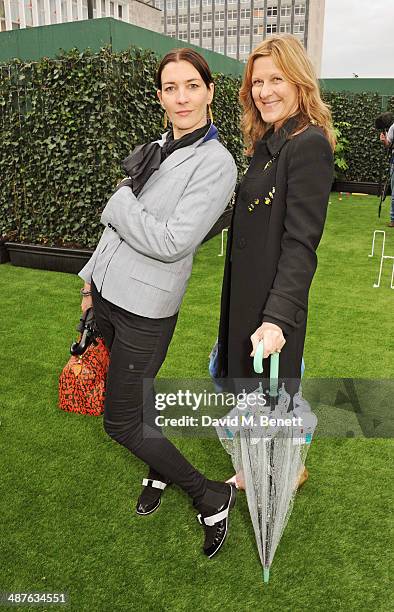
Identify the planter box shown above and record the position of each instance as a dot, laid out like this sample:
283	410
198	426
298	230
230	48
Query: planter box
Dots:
4	256
353	187
58	259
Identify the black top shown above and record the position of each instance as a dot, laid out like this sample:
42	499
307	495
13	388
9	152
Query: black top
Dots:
271	250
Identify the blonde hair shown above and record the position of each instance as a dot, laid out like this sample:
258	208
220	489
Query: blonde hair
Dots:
289	55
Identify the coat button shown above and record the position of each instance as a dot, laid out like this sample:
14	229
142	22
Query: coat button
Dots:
241	243
300	316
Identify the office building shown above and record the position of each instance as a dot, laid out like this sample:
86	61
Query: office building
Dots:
19	14
234	27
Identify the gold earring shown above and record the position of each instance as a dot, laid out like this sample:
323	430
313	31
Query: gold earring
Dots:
210	113
165	120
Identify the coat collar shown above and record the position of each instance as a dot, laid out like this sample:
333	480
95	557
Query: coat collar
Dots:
180	155
210	134
276	140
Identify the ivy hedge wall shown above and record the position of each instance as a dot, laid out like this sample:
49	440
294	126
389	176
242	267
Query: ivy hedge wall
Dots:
67	123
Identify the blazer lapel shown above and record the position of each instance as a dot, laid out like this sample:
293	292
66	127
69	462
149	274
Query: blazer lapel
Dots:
176	158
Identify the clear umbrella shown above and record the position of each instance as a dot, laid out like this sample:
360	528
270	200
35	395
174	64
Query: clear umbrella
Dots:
270	455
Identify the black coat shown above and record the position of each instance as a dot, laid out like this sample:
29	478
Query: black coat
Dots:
271	257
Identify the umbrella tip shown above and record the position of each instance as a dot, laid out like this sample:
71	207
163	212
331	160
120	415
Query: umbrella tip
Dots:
266	574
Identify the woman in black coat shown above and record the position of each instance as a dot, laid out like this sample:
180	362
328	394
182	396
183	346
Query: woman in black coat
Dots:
279	214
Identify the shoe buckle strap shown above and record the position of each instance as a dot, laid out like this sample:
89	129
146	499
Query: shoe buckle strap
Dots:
156	484
213	519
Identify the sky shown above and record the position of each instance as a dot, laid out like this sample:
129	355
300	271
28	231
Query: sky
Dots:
358	37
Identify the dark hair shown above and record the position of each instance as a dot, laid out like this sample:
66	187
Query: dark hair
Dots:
187	55
384	121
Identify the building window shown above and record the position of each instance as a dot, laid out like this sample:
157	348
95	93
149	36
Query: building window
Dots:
231	31
170	5
245	13
299	27
182	4
194	18
207	2
219	32
28	12
285	11
194	34
15	19
219	48
244	48
52	8
194	3
219	16
232	14
182	35
285	27
207	33
207	17
182	18
258	29
299	9
159	4
272	11
258	13
244	31
231	49
171	20
271	28
172	34
2	16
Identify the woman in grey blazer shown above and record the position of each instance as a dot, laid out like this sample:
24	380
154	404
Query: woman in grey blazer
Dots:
178	187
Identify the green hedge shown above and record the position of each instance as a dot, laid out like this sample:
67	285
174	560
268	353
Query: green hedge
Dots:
67	124
366	157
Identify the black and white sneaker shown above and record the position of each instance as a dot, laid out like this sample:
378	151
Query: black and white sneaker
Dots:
150	498
215	508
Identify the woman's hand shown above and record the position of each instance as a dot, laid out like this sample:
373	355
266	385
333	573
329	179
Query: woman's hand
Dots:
383	138
87	301
272	337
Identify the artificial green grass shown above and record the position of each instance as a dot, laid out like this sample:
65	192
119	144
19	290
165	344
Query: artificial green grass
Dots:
68	491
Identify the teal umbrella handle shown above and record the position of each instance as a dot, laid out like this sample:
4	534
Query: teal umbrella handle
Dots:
258	358
274	369
266	573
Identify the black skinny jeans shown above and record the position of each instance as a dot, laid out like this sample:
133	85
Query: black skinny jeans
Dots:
138	346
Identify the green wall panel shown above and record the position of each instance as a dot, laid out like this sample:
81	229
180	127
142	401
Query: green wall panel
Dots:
46	41
385	87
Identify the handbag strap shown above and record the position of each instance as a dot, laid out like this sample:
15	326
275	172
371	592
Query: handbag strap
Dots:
274	367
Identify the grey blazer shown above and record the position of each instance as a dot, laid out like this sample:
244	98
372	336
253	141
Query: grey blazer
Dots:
144	263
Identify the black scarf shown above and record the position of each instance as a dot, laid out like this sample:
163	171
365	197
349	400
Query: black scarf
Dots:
146	158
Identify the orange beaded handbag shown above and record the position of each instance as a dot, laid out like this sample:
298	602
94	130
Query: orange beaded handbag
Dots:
82	381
